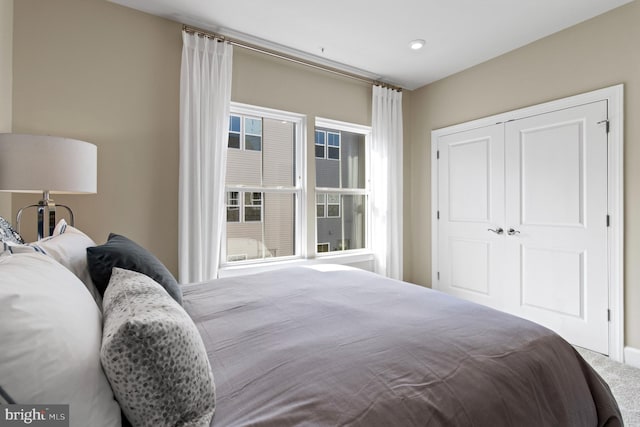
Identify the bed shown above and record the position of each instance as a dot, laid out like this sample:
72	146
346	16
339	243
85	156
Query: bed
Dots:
320	345
337	346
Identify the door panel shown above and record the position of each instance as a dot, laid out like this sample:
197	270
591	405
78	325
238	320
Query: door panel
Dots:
556	200
471	201
552	174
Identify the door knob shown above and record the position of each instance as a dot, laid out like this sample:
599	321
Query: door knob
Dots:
497	231
511	232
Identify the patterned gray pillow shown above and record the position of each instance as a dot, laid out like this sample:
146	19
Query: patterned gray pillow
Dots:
8	234
153	355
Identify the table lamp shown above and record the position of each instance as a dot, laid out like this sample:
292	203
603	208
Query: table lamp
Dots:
47	165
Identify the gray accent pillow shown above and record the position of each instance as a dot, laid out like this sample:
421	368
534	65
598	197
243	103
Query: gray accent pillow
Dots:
153	355
122	252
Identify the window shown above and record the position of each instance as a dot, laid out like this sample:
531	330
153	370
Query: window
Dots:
342	194
321	201
266	197
245	133
321	138
327	145
333	205
264	185
251	206
233	206
333	145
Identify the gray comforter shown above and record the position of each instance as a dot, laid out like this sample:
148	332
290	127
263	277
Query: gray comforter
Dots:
349	348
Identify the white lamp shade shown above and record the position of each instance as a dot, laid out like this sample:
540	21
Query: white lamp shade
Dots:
39	163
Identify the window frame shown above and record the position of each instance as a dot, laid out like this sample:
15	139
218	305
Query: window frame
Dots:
328	125
298	189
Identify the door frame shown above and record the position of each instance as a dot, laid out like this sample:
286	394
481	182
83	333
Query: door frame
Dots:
614	95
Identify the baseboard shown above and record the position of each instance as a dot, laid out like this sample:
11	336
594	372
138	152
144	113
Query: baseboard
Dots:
632	356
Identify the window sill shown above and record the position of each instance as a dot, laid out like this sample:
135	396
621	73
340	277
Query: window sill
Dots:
359	259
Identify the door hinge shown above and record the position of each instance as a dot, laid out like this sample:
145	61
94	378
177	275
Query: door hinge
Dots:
438	155
608	315
606	122
438	274
437	214
608	220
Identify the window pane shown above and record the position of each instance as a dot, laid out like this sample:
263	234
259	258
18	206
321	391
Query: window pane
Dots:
252	126
333	211
274	236
344	165
252	142
320	137
252	213
233	214
333	139
348	230
320	211
234	140
234	124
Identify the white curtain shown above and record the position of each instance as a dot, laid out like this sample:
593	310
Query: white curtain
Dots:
205	97
386	181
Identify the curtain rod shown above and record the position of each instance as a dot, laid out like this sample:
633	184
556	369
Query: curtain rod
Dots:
280	55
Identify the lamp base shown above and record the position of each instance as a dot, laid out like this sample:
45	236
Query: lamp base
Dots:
44	206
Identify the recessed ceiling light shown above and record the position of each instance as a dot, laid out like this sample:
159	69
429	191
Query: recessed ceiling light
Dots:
417	44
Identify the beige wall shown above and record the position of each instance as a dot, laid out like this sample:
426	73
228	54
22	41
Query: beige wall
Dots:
95	71
99	72
6	82
595	54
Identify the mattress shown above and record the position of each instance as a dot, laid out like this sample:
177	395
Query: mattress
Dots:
334	346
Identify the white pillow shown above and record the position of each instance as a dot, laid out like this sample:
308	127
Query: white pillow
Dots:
68	246
50	336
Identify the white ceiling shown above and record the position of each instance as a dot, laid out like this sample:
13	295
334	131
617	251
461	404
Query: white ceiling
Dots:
371	37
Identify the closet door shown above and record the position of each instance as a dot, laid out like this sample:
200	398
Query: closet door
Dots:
556	222
471	204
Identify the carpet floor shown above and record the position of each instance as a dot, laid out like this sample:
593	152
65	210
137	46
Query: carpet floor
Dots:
624	381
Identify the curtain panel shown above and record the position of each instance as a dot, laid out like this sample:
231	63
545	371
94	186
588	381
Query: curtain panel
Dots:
205	97
386	181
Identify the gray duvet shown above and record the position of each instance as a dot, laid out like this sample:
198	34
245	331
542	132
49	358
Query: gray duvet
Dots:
302	347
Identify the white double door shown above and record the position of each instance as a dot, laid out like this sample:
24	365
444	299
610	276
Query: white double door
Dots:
523	220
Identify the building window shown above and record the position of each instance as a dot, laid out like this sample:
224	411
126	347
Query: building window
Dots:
321	138
333	145
252	207
321	205
342	193
264	185
323	247
333	205
327	144
233	206
245	133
